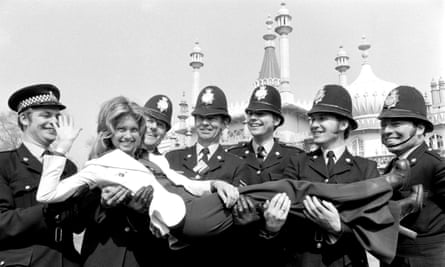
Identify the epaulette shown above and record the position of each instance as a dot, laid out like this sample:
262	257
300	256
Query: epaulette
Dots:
177	149
239	145
288	146
433	153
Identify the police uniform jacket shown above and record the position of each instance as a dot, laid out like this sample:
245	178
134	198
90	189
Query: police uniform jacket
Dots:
221	166
27	237
427	168
211	251
273	166
346	251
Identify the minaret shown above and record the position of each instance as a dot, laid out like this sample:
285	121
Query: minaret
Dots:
196	63
342	60
435	95
270	71
182	116
441	84
283	28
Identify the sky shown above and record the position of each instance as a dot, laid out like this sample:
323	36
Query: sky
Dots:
95	50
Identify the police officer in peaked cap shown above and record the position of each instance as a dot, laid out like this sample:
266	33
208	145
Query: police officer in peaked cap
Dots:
207	160
330	121
34	234
404	125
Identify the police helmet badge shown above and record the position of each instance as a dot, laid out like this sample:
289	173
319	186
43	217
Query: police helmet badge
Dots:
261	93
392	99
319	97
162	104
208	97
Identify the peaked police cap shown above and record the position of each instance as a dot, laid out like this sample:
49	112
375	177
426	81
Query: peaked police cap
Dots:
38	95
406	102
266	98
160	107
336	100
211	101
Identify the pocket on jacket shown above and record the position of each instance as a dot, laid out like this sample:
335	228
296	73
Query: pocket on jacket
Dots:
275	176
24	193
16	257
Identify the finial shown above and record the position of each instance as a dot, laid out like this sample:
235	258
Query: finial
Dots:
197	48
364	47
283	10
433	83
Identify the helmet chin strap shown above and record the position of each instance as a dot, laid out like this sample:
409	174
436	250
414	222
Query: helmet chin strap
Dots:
403	142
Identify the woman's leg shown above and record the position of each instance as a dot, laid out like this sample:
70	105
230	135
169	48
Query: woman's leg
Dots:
363	206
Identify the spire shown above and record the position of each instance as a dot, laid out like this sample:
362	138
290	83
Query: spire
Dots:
342	61
196	63
283	28
364	47
270	71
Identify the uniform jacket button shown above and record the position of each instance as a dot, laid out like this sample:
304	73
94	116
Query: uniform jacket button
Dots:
326	180
127	229
258	172
2	263
27	187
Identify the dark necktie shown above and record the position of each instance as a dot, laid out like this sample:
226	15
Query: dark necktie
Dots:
331	162
261	153
205	154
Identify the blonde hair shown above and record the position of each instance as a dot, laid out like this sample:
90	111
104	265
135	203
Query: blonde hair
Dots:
109	115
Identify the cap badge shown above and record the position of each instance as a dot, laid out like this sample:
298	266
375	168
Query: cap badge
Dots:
208	97
319	97
162	104
392	99
261	93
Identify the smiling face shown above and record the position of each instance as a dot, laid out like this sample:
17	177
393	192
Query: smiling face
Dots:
261	123
327	130
156	130
400	136
209	128
126	135
38	125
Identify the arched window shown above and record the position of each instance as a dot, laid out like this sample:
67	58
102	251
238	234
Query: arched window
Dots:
358	148
436	141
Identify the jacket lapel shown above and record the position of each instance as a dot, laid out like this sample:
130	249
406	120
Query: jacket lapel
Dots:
217	159
29	160
343	164
190	158
317	163
274	156
250	157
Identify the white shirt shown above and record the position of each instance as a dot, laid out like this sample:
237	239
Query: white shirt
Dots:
36	151
212	149
267	146
407	153
338	152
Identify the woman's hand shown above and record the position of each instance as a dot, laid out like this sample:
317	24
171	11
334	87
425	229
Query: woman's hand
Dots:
228	193
66	134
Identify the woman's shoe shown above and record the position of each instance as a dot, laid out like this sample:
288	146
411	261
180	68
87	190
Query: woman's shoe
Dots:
399	175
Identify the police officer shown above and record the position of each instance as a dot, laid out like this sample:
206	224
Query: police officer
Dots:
329	240
264	155
404	124
208	160
32	234
158	112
